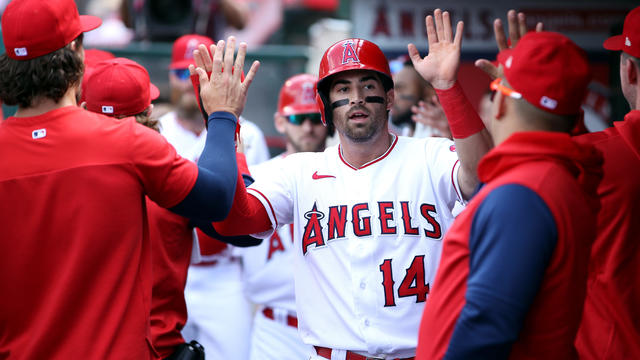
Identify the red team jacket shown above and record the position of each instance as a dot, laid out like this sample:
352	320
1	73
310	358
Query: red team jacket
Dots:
82	263
557	171
610	327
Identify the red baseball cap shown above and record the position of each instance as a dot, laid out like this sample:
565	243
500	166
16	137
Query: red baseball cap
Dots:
32	28
549	70
182	52
91	58
629	41
119	87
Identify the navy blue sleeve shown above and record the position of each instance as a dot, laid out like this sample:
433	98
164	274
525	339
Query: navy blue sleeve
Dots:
513	236
212	195
239	241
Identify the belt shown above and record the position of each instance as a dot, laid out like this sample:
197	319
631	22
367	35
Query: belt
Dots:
291	320
326	353
206	263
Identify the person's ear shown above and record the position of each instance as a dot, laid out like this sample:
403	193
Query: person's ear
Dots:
149	110
391	96
279	122
498	106
631	71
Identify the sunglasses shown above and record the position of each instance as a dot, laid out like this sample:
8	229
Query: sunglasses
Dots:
298	119
182	74
497	86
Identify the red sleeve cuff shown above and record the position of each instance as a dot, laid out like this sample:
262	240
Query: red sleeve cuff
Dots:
462	117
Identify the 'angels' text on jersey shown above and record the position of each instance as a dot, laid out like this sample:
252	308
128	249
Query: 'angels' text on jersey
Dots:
320	228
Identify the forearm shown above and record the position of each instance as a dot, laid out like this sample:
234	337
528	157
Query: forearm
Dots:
247	215
469	135
211	197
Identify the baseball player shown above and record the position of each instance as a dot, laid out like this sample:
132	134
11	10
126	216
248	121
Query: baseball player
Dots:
91	58
120	87
610	328
75	265
512	277
267	268
221	333
369	214
124	86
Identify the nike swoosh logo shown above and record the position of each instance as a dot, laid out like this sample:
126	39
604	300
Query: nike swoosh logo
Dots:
315	176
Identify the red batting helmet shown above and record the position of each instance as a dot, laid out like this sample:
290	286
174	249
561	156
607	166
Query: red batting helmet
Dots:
345	55
297	95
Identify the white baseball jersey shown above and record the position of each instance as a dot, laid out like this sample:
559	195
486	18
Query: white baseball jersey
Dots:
268	281
268	267
190	146
367	241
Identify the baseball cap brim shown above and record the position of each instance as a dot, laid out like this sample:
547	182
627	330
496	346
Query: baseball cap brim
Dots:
182	64
89	22
614	43
154	93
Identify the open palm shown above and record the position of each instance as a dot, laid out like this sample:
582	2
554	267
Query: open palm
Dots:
440	66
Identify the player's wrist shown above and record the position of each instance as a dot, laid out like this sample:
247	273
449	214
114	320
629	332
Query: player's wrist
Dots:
463	119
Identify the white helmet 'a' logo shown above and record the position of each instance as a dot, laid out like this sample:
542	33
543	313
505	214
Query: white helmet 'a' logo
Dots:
191	46
508	62
548	102
627	42
349	53
307	95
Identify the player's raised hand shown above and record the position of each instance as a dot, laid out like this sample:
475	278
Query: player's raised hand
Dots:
440	66
224	89
517	28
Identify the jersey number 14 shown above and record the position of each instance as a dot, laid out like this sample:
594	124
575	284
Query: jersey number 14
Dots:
413	284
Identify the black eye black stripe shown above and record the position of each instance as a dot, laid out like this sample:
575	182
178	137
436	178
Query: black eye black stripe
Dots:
369	99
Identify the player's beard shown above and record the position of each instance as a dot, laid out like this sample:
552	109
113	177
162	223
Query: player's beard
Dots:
187	107
367	131
311	145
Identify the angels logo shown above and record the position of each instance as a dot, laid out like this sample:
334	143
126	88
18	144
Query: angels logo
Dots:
308	94
313	229
349	53
188	51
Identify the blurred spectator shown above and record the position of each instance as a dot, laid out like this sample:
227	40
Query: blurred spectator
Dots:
265	18
113	31
166	20
416	111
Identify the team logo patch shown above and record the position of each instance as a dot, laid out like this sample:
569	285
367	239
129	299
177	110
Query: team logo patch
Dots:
107	109
452	148
20	51
548	102
349	53
39	134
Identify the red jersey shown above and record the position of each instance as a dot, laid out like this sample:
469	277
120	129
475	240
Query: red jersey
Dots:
554	168
172	242
610	326
74	251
